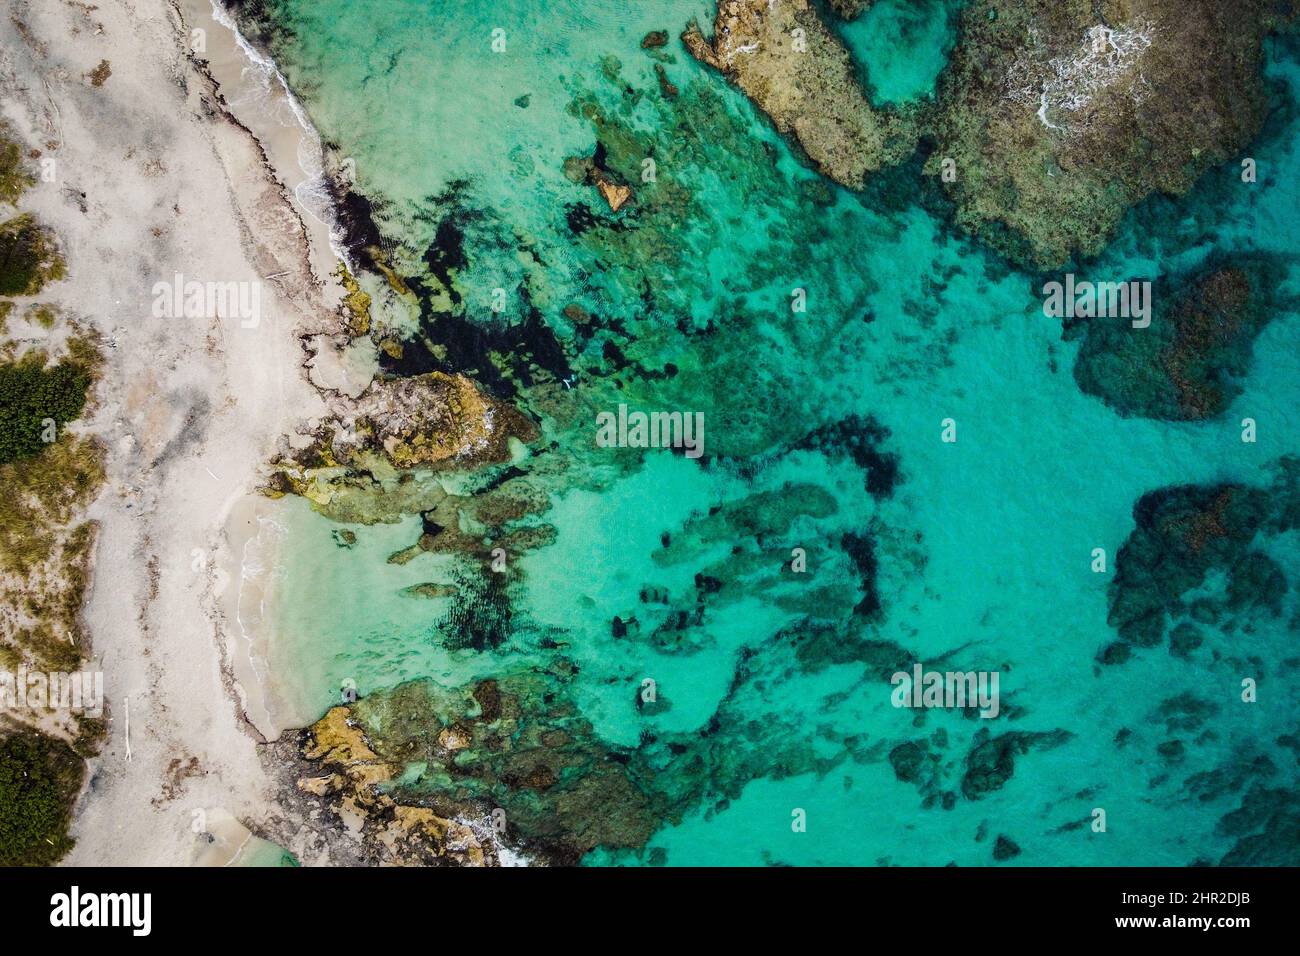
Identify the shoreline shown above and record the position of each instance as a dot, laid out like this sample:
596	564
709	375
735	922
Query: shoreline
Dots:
289	149
246	589
158	176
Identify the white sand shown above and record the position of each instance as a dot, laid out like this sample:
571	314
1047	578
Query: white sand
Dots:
190	407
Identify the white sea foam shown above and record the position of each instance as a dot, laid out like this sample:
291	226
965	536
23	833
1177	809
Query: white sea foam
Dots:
313	193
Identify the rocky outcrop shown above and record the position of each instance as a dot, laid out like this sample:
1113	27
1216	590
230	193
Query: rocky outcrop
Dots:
590	170
389	832
434	421
512	751
797	72
1056	116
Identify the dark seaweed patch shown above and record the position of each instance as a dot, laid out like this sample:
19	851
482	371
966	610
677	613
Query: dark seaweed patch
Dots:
859	437
480	615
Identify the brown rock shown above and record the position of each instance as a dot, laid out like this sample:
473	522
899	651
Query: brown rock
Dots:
797	72
455	737
615	194
335	740
665	85
850	9
1056	119
320	786
577	314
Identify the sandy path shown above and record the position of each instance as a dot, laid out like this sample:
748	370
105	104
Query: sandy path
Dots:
153	179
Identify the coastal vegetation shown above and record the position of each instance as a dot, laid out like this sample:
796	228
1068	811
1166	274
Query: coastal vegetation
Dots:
14	177
39	777
28	257
50	475
36	401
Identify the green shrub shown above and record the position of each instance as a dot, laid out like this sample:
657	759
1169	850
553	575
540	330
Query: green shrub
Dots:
39	780
31	393
28	258
14	178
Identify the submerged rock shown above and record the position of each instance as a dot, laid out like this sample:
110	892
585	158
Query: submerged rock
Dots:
666	88
591	170
1004	848
907	759
1265	828
1184	534
992	761
1188	364
518	749
430	590
1181	534
861	438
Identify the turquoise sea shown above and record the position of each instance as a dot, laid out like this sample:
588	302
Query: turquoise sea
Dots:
824	432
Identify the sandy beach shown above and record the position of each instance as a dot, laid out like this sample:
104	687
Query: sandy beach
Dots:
156	180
